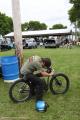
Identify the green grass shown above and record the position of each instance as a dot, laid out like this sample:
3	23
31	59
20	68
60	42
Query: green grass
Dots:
62	107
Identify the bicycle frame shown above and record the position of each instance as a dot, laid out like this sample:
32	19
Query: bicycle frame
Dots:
48	82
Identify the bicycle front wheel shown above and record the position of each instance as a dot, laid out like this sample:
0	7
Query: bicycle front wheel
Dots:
19	91
59	83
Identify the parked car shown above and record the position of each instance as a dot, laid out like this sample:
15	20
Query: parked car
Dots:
30	43
5	46
50	43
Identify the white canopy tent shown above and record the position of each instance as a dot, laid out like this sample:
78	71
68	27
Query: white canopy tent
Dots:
38	33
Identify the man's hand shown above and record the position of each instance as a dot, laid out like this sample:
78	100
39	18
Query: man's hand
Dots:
46	74
49	70
52	73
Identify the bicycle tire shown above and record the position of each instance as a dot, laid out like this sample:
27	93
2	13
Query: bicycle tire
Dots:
14	91
54	87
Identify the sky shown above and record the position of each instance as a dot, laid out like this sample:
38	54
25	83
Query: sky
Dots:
49	12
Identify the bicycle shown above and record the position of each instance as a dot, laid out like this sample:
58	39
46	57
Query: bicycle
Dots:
20	89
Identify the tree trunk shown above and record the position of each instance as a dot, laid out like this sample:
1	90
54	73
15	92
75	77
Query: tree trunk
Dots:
17	30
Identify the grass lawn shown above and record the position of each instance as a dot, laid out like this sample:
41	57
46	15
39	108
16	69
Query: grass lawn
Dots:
62	107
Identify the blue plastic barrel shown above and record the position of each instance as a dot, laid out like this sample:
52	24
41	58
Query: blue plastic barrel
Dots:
0	68
10	68
0	61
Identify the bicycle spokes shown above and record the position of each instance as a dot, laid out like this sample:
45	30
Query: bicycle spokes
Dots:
59	84
21	90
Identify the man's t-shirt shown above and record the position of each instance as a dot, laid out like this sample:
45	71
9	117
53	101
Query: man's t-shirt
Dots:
32	65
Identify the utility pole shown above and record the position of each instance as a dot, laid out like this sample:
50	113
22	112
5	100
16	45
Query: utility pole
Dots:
17	30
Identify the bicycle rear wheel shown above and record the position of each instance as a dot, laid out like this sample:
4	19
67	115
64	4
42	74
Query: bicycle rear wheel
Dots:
19	91
59	83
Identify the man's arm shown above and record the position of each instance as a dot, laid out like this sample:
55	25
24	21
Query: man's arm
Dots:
45	74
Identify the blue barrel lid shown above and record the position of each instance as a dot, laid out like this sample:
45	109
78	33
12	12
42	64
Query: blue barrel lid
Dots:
8	59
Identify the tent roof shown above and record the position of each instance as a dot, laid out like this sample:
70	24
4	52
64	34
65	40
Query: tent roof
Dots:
56	32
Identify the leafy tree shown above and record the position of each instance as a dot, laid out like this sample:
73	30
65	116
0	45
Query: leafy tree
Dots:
36	25
74	12
75	1
6	24
79	23
25	26
58	26
43	26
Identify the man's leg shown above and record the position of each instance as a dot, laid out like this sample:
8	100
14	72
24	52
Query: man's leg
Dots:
32	87
36	83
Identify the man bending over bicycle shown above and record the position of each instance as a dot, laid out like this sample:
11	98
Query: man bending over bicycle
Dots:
33	69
